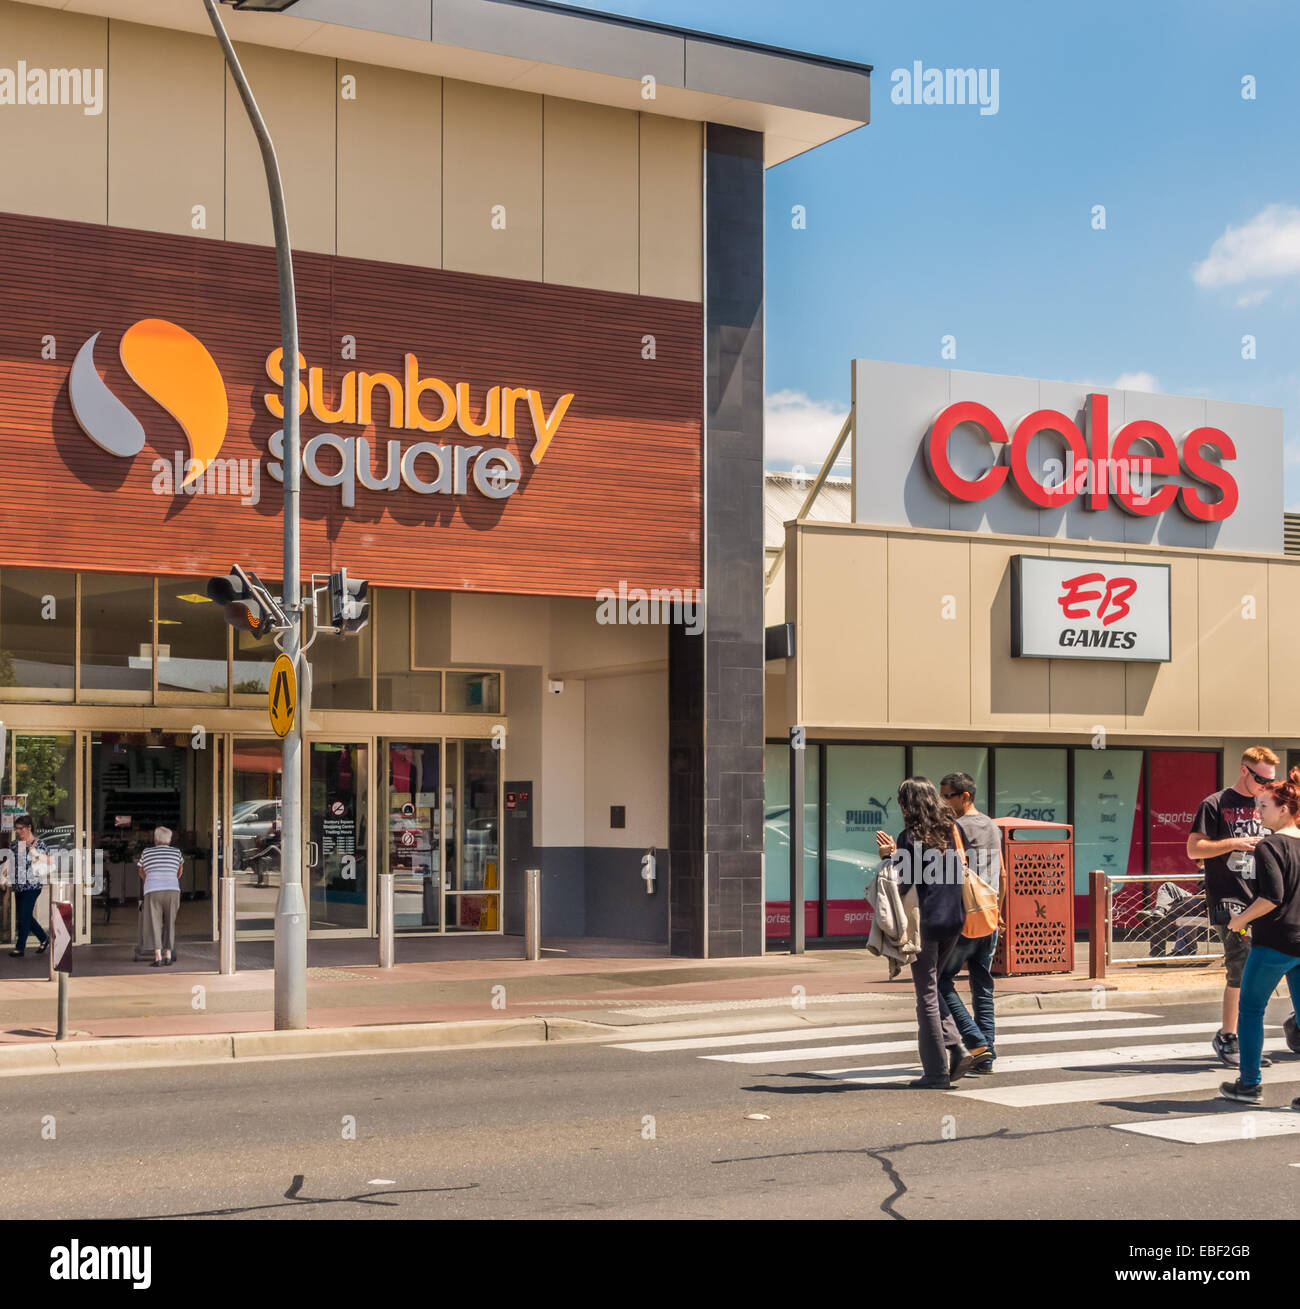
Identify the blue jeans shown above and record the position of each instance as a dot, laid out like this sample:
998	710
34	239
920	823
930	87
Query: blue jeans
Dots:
27	898
977	954
1264	969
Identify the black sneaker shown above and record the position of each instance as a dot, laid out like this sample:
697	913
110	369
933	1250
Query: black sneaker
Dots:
1242	1094
983	1063
1292	1033
959	1064
930	1084
1225	1046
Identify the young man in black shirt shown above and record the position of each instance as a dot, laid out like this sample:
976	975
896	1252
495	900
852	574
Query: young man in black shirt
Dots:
1224	835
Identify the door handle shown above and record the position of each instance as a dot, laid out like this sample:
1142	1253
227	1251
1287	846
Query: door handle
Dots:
313	854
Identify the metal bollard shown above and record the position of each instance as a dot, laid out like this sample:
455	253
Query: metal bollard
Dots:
532	913
227	894
386	935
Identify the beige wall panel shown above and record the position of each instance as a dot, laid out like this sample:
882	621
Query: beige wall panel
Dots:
774	599
499	629
296	94
581	645
929	652
1234	686
492	155
1284	649
1164	697
672	208
1084	694
563	779
590	183
843	663
775	722
1005	692
390	167
523	757
54	158
627	760
166	131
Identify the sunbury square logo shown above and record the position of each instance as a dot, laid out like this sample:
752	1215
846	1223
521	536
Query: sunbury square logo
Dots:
176	370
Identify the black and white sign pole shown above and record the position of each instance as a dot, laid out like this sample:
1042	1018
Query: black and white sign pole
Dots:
291	907
61	956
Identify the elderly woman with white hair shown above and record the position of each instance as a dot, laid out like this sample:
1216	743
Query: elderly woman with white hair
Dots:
160	867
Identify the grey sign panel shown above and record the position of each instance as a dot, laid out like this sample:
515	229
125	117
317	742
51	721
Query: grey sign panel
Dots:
895	406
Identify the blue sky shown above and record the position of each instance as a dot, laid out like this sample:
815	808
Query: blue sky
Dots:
938	220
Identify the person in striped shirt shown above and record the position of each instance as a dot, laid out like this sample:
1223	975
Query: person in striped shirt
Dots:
160	867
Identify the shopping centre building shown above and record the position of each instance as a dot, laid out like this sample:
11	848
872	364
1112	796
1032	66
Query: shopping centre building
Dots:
1092	649
529	259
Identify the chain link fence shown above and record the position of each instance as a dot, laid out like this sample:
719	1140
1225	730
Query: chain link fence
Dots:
1150	920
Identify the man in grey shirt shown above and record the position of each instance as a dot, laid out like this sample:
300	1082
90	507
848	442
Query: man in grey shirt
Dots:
984	854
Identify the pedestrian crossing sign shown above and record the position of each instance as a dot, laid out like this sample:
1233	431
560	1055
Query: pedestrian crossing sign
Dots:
282	696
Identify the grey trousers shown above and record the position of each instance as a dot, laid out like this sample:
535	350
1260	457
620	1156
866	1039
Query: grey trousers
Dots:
937	1031
160	919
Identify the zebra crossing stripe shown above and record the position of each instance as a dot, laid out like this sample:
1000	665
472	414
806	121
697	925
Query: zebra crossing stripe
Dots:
809	1033
1132	1087
1204	1129
1055	1060
1006	1064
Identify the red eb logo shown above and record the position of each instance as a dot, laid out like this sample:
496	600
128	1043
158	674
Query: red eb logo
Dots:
1111	602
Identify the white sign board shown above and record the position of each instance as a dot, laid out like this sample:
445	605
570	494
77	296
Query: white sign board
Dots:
1086	609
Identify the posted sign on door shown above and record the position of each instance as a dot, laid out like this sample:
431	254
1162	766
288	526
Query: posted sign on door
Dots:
1086	609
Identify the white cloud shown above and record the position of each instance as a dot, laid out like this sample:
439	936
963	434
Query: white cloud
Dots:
801	431
1248	298
1135	382
1266	247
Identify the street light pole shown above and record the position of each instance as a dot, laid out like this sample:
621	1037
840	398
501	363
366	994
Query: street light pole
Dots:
290	907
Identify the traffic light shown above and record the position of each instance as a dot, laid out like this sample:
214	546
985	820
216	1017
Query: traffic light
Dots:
349	606
249	606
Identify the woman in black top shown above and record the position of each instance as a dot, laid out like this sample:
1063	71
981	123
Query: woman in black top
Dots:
925	855
1275	934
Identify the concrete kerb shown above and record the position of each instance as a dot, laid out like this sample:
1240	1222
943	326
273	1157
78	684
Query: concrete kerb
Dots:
140	1052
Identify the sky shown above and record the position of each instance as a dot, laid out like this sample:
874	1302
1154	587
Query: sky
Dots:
940	220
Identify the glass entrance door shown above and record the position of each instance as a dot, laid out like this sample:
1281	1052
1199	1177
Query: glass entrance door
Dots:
412	848
251	848
338	886
472	837
42	782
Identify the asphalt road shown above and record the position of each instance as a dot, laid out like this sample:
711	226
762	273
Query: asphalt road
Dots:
574	1131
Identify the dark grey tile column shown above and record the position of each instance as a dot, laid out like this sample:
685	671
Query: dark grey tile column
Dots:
715	680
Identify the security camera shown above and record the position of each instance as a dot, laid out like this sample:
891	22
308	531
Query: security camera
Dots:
554	686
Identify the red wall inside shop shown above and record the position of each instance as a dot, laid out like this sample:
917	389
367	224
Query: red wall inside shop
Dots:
615	498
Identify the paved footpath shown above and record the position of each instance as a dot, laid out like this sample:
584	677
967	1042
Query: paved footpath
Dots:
591	982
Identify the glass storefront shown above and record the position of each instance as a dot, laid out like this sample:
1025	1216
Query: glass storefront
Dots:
255	832
38	631
1131	810
338	882
414	834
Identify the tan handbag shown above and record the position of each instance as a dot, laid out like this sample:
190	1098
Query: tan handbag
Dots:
979	901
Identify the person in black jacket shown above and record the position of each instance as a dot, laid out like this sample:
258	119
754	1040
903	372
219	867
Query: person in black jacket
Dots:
925	855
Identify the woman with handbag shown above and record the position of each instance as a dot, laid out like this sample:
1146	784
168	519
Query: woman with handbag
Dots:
927	857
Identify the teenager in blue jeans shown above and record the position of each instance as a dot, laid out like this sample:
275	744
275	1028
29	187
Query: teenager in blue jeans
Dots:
1274	919
983	844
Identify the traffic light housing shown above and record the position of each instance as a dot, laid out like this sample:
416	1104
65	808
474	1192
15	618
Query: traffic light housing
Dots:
349	603
248	605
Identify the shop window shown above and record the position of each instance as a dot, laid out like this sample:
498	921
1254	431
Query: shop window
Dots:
1107	814
340	667
116	633
1030	784
401	688
861	799
937	761
473	693
191	640
38	628
776	841
1179	781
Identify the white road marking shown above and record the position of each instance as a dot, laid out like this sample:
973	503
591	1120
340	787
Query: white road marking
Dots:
1204	1129
1062	1060
1004	1064
871	1029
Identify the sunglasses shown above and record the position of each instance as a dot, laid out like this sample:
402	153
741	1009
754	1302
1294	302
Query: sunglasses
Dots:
1263	781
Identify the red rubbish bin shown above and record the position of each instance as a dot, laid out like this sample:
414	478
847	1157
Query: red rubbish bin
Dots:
1038	873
